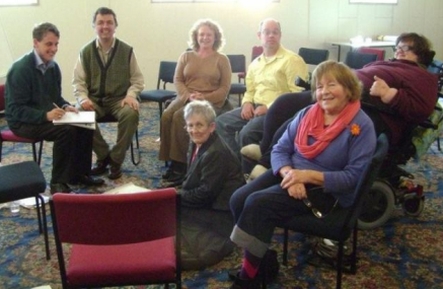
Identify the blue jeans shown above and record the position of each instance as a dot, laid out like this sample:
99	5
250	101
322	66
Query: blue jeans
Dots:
258	207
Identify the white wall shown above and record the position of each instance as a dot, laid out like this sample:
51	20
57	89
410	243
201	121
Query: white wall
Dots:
160	31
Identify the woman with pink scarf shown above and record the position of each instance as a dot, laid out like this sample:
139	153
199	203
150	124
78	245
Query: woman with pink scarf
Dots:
328	144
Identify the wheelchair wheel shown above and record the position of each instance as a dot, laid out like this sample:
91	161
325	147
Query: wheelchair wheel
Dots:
377	206
413	205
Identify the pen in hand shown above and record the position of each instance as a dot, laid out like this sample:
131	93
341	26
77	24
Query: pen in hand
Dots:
59	112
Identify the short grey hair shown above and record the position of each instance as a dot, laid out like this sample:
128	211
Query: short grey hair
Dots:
202	107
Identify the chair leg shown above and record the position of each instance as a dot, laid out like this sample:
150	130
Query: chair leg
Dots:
37	157
160	109
285	246
135	157
1	149
34	153
39	216
41	204
339	264
354	252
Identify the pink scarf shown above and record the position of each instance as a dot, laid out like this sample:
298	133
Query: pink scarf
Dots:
312	124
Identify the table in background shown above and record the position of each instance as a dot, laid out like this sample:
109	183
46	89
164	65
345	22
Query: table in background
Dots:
372	44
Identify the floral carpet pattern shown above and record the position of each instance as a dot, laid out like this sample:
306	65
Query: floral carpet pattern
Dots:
406	252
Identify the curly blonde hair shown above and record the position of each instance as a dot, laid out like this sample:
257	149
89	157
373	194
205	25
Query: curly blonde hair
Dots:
219	41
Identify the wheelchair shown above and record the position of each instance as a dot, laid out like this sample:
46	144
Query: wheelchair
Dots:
395	186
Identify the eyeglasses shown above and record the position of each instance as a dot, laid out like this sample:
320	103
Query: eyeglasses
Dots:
316	211
404	48
270	32
196	127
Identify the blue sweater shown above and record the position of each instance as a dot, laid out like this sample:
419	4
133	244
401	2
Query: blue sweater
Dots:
342	162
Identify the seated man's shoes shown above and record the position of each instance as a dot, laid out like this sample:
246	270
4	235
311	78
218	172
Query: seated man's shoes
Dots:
115	171
89	181
251	151
59	188
101	166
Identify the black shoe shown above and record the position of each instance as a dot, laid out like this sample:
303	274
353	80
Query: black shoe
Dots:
116	171
167	174
89	181
268	269
100	167
60	188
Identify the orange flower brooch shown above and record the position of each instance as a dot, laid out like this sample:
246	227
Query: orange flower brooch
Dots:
355	129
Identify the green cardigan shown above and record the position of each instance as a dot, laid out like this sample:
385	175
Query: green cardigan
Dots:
29	93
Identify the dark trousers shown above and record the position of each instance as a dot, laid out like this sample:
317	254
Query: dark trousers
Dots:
261	205
72	150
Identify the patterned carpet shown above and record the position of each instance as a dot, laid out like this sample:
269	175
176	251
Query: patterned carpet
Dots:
406	252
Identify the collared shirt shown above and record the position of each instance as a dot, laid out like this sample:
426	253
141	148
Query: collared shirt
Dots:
268	78
40	65
79	79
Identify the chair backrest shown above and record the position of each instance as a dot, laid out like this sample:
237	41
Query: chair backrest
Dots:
313	56
115	219
357	60
166	73
238	62
365	183
256	51
369	50
2	97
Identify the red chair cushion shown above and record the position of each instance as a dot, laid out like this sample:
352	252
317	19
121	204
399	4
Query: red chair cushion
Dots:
8	135
122	264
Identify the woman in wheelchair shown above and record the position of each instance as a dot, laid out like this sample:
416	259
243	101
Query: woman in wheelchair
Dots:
398	94
328	145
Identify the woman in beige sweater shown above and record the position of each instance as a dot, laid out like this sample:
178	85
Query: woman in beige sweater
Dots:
202	73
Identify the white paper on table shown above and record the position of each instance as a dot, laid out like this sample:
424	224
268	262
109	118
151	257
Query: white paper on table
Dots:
128	188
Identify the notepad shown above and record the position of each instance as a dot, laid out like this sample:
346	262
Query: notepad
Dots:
85	119
128	188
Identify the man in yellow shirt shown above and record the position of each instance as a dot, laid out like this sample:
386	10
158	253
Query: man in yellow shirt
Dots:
270	75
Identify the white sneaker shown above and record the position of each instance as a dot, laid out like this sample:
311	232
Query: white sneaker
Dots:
257	171
251	151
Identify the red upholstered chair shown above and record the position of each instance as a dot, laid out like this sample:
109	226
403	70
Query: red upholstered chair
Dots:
118	240
7	135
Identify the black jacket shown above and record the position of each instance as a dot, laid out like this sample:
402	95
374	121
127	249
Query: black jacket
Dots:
212	177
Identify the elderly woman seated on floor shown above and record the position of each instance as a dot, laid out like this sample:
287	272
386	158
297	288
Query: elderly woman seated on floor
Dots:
214	173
